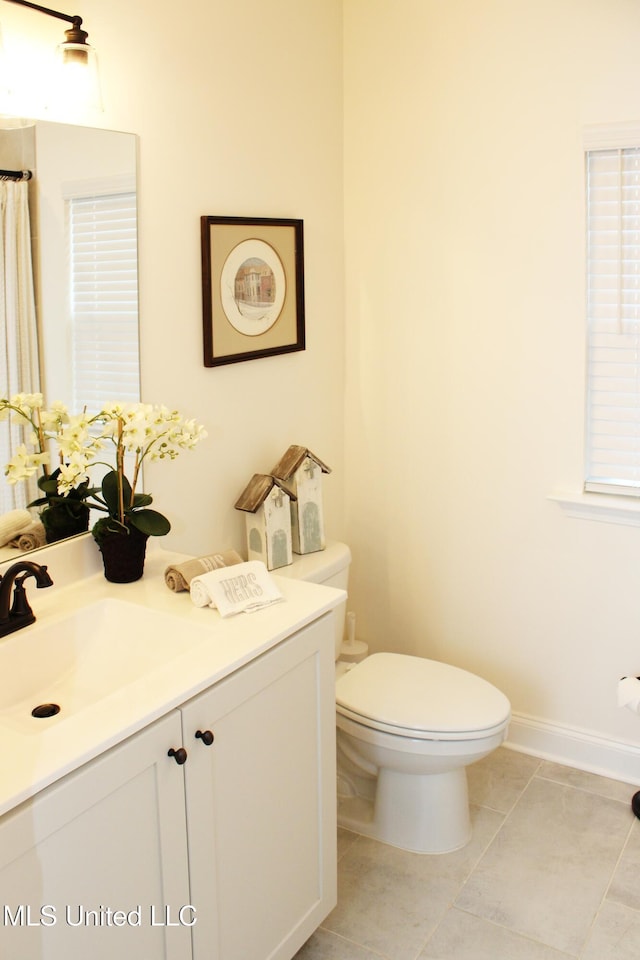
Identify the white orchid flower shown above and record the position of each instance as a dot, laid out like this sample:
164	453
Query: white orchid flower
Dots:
24	464
141	430
73	473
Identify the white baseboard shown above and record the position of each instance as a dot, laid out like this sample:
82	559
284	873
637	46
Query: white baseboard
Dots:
582	749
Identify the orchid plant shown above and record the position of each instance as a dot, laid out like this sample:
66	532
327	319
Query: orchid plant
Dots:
140	431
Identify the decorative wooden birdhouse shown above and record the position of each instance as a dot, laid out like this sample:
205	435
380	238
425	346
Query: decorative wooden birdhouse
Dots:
266	503
302	471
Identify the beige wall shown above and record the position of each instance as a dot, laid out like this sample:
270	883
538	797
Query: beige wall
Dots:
238	108
465	356
464	306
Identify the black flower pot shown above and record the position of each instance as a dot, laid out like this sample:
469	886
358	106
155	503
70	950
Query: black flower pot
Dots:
123	555
66	519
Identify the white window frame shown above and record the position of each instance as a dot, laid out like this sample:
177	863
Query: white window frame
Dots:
88	309
612	501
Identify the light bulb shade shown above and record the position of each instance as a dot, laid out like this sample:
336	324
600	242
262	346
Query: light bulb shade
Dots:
76	78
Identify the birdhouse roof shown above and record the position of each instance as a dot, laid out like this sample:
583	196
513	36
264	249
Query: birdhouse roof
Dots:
257	491
292	459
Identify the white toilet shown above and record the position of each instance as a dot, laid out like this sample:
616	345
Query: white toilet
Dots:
407	728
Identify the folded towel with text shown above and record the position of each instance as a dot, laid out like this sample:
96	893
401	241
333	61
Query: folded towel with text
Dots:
12	523
244	588
32	536
179	576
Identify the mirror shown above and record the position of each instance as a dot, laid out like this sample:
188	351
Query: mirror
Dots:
77	169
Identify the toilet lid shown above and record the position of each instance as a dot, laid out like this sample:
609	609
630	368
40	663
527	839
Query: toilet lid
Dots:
420	697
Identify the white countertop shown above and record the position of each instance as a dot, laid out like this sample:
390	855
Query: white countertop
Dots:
58	745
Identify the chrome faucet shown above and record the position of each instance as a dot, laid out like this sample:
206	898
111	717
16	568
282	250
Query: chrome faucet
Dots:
17	614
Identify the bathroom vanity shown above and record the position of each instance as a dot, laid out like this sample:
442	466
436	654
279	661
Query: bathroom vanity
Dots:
189	814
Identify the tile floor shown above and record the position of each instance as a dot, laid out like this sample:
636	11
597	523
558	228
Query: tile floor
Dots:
552	872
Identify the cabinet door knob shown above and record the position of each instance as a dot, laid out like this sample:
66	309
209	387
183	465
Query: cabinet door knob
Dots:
206	736
179	755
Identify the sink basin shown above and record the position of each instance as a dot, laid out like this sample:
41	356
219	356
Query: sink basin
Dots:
92	653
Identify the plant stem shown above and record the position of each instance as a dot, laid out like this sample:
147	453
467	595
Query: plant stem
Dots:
120	469
41	441
136	471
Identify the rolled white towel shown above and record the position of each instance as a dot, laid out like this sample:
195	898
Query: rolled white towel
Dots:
12	523
242	588
31	537
179	576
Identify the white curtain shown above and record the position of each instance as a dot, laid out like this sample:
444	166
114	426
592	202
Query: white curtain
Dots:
19	365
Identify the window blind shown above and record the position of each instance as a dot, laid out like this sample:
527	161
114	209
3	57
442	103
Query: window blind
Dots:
613	314
104	299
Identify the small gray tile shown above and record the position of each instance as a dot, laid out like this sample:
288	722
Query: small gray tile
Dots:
498	780
591	782
547	870
625	886
345	839
324	945
615	935
390	900
462	936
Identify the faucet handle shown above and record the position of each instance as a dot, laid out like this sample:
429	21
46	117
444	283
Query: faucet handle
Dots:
20	614
20	606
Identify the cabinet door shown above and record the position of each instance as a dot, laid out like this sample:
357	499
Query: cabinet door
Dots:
109	837
261	802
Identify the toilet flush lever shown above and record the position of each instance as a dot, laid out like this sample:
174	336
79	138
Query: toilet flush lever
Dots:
206	736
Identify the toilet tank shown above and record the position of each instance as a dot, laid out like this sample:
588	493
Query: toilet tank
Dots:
329	567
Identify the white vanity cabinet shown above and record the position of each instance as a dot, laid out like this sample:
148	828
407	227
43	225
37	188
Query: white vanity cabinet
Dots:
108	837
229	855
261	797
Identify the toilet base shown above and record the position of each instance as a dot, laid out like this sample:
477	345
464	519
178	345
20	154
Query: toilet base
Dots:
422	813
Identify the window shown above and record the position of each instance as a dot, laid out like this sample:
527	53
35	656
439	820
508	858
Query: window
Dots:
103	298
613	311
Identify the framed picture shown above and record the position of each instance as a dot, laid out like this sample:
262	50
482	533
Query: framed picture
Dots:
252	288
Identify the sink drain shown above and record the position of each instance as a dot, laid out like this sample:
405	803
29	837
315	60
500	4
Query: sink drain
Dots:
44	710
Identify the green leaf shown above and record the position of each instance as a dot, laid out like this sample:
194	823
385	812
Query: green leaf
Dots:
110	492
49	484
142	500
151	522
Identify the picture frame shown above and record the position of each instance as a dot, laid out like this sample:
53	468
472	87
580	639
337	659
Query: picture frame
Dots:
252	288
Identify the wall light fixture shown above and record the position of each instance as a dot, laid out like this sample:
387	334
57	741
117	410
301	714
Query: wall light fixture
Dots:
76	78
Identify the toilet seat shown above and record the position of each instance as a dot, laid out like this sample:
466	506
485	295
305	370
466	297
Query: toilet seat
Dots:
421	699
